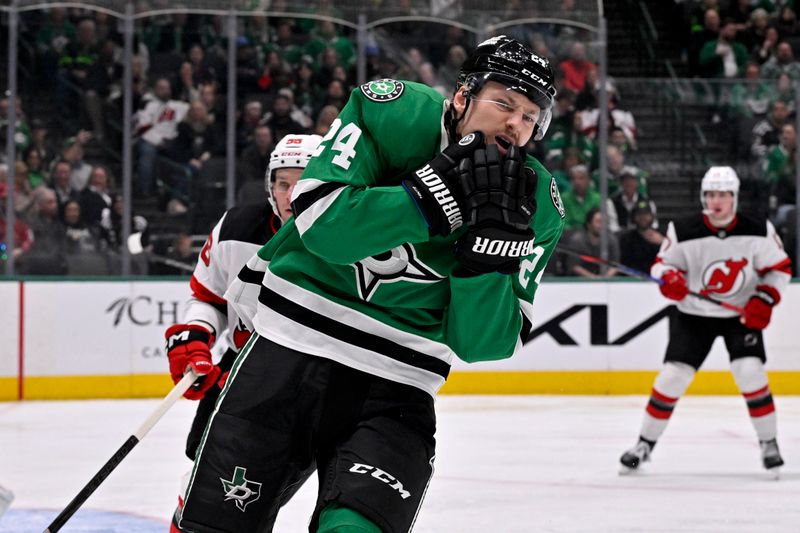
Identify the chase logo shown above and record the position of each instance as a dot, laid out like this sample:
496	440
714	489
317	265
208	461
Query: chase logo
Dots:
383	90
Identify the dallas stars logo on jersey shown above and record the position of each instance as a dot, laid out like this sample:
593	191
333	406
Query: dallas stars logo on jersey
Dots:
383	90
240	489
398	264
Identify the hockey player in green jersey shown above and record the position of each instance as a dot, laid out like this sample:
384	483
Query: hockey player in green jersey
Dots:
420	233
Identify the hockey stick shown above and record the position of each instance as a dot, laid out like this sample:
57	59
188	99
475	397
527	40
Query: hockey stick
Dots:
176	392
645	276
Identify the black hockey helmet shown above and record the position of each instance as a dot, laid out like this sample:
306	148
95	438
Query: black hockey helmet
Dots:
509	62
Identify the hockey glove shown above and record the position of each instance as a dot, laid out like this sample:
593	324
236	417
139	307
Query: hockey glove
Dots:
189	346
500	197
493	248
435	190
674	286
758	310
498	190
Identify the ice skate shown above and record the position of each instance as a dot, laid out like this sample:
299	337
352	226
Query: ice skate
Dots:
632	458
771	457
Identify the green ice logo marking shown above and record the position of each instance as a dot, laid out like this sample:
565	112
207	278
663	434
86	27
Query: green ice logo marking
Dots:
383	90
241	489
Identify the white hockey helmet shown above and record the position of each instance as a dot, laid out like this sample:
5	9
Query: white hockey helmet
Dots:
720	179
293	151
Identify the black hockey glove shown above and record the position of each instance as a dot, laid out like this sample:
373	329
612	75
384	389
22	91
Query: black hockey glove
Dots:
499	190
435	189
501	202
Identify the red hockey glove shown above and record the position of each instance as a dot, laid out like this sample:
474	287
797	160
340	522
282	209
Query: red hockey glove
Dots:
190	346
674	286
758	310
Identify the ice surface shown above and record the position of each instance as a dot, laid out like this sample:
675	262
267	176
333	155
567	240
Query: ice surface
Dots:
507	464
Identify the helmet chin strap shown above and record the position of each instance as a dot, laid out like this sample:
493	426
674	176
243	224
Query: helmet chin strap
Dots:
452	120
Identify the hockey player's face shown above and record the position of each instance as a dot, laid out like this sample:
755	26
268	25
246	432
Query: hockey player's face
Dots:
504	116
719	204
285	180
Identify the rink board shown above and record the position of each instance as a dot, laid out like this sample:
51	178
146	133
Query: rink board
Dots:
104	339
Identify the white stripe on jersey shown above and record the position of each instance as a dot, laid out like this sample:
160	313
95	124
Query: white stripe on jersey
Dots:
284	331
307	217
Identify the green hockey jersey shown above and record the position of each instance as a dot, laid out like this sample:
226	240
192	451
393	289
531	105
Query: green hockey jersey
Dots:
356	277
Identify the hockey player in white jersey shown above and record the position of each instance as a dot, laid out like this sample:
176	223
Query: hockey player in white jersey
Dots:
237	236
731	258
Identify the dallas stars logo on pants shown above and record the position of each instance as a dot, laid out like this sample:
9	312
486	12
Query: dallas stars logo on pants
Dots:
241	489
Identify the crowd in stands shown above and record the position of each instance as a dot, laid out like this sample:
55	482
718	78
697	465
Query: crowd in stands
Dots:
294	75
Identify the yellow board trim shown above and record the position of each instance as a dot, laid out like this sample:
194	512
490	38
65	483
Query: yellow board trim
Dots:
92	387
600	382
529	382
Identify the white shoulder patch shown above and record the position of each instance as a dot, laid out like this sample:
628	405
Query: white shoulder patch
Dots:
556	197
384	90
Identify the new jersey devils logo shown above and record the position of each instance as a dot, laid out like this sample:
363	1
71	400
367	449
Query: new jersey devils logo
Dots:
724	277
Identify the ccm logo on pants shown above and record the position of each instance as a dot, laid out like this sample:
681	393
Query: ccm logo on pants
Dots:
377	473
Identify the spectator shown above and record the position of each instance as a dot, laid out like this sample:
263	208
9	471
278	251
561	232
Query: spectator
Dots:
780	171
782	62
76	60
23	236
255	157
752	97
305	93
723	57
767	49
617	138
766	131
33	159
581	199
325	118
180	252
449	70
72	153
749	102
22	132
785	94
325	36
700	36
284	42
586	241
24	201
198	140
46	255
41	141
787	22
335	95
754	36
79	238
156	124
297	114
252	117
95	197
574	137
280	120
61	184
51	39
103	87
616	168
111	225
739	12
627	198
575	67
202	70
617	117
571	157
640	244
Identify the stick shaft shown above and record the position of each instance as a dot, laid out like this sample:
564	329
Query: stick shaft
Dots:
647	277
176	392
